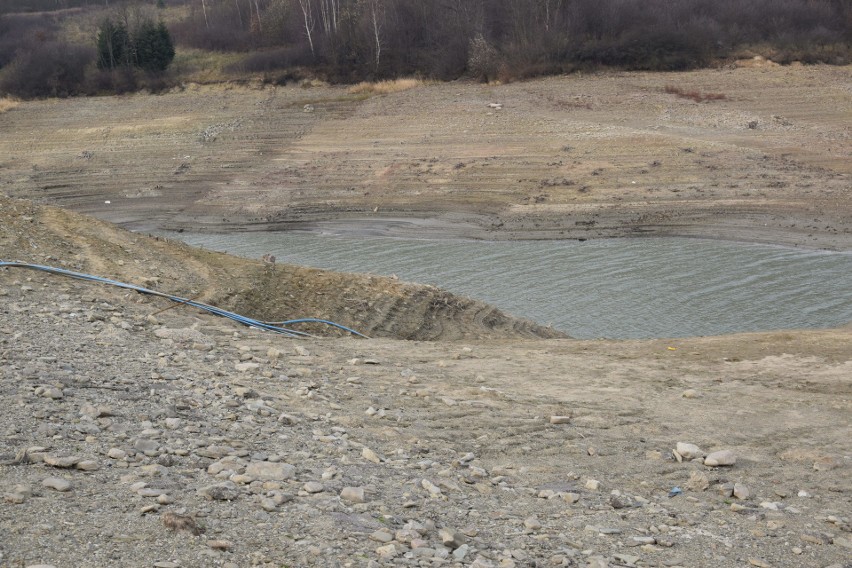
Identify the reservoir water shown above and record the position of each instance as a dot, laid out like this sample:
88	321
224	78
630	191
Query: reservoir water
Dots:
617	288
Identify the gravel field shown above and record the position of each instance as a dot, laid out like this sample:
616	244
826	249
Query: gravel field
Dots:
136	435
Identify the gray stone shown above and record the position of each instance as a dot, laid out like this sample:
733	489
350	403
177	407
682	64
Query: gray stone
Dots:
424	552
88	465
451	539
353	495
15	497
741	491
688	451
570	497
145	446
57	483
186	336
93	411
433	489
61	462
268	471
720	458
215	452
481	562
382	535
388	551
52	392
626	559
461	552
370	455
698	481
226	491
532	524
116	454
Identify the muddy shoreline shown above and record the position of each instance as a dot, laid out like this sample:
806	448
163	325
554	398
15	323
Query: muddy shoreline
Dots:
607	155
792	229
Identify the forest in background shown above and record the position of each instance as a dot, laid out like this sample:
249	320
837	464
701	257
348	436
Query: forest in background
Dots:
50	47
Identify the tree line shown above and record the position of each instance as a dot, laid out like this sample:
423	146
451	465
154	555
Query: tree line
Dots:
147	46
354	40
357	39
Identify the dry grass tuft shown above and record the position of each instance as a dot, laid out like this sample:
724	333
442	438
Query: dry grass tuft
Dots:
7	104
177	522
385	87
696	96
204	67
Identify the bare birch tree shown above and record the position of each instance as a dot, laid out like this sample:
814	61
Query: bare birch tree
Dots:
376	14
204	9
330	15
257	11
308	13
239	13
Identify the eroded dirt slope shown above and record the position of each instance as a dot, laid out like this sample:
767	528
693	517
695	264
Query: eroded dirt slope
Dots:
271	292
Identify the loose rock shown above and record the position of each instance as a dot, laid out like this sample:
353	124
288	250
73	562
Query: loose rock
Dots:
720	458
353	494
227	491
269	471
57	483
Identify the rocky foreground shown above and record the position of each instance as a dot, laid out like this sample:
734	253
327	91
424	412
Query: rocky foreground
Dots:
134	436
140	433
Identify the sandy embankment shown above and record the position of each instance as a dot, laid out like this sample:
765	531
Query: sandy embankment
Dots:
566	157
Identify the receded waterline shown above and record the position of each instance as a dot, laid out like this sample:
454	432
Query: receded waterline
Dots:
614	288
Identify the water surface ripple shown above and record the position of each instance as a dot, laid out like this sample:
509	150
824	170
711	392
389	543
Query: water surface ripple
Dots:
618	288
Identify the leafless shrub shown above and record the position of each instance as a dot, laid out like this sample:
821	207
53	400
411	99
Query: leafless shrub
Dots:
482	58
49	69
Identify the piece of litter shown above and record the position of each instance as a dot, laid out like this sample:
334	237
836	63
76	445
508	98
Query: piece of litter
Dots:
675	492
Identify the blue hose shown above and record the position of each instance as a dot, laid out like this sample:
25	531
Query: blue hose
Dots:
277	327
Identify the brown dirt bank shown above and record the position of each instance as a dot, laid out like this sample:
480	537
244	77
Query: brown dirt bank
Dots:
582	156
373	305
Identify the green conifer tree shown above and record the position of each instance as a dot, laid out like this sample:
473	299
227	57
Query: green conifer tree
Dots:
153	47
113	45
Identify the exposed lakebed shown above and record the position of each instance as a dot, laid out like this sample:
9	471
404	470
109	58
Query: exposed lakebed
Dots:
616	288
